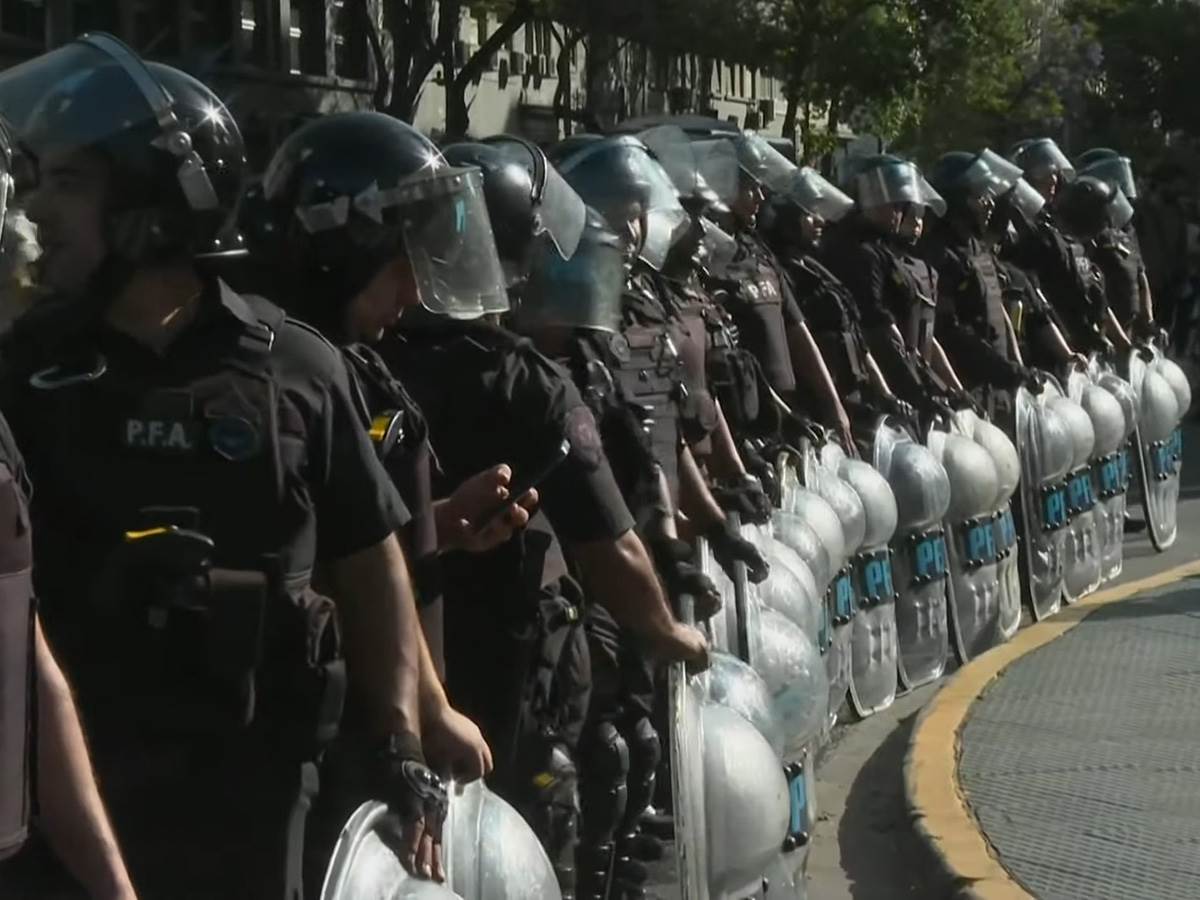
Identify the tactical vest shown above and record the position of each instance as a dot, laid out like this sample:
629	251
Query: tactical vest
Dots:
831	314
647	365
990	287
1118	259
755	292
17	666
167	637
915	280
401	438
697	410
731	371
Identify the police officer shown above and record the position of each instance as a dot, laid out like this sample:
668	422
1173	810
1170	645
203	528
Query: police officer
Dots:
1116	250
755	291
871	252
1056	260
197	459
972	323
796	218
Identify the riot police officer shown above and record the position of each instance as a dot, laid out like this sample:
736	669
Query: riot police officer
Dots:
972	323
755	291
1116	250
196	460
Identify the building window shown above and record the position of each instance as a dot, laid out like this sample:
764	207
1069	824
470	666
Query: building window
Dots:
90	15
350	41
23	19
306	37
254	32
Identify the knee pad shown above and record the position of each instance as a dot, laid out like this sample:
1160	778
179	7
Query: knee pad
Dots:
554	812
604	771
645	754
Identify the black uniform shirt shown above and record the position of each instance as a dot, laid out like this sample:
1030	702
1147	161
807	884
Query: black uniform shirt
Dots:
188	434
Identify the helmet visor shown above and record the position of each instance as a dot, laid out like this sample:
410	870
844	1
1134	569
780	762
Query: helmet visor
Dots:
764	163
560	214
449	242
1120	210
624	183
83	94
717	248
809	190
1026	199
704	170
898	183
990	175
581	292
1117	171
1042	157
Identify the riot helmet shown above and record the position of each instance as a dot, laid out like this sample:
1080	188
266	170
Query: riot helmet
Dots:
348	194
1108	165
1087	206
526	199
886	185
581	292
1045	166
762	162
798	215
621	180
704	172
971	183
158	151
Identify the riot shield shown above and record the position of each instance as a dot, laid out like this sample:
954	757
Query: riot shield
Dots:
1081	570
918	572
1044	445
1158	441
973	588
1112	474
488	850
731	800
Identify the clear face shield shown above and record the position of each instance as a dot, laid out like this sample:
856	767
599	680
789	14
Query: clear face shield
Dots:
1026	200
559	213
810	191
1117	171
762	162
623	182
897	183
1120	210
581	292
1045	166
716	250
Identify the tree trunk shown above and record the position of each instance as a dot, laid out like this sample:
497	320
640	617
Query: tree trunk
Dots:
789	117
458	114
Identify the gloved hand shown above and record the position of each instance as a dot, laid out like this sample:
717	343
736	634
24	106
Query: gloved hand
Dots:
675	561
894	406
758	466
730	547
745	497
417	803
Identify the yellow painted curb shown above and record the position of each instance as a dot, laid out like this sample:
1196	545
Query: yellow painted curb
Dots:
940	810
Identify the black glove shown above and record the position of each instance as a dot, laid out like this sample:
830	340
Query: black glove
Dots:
758	466
674	560
746	497
894	406
414	794
730	547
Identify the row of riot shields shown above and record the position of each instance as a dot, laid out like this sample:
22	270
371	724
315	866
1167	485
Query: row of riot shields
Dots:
881	567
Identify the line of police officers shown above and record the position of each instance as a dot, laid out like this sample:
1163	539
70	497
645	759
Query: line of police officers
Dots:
413	487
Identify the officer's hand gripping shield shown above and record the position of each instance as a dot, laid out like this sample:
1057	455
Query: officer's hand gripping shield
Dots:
488	850
1046	449
973	559
919	563
731	797
1158	454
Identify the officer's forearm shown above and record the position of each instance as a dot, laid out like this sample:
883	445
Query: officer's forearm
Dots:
620	574
1115	331
945	371
877	378
695	499
72	814
811	369
1146	297
725	460
382	635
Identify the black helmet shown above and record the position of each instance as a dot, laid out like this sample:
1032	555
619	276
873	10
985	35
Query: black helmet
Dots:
526	197
621	180
1040	157
347	193
1087	206
175	152
705	172
885	179
1109	165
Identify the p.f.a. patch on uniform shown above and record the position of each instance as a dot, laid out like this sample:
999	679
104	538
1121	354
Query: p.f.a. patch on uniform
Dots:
584	436
163	435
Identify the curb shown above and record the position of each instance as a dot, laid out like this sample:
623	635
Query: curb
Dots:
940	813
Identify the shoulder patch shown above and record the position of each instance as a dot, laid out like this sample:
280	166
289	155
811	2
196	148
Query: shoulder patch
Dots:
584	437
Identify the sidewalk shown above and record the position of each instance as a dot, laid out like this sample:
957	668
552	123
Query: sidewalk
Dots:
1082	761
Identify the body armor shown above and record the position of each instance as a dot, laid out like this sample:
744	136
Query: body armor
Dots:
831	314
755	298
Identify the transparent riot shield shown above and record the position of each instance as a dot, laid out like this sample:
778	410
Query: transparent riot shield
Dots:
1081	570
1044	445
1158	440
914	571
732	807
973	587
488	850
1111	473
